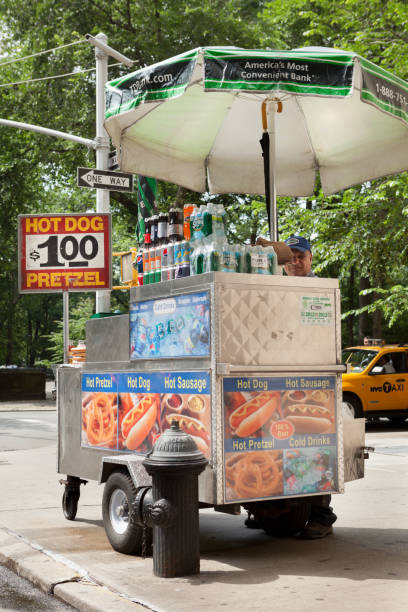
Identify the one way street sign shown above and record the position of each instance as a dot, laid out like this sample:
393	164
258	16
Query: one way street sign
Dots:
104	179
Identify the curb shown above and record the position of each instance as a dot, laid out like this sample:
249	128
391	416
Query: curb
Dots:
27	406
56	575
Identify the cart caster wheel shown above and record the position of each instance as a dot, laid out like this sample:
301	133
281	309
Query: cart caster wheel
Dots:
123	535
70	503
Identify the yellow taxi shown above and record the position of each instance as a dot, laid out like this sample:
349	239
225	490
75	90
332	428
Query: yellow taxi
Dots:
376	382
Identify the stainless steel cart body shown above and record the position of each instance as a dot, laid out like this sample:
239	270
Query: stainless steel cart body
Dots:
209	350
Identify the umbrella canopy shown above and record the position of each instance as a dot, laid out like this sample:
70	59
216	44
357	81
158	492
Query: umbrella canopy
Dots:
195	120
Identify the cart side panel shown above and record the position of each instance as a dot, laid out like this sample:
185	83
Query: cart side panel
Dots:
281	436
265	324
107	339
78	459
72	459
354	441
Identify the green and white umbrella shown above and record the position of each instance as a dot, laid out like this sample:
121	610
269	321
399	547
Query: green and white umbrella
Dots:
196	120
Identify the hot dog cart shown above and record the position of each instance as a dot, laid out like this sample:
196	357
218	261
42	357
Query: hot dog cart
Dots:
249	365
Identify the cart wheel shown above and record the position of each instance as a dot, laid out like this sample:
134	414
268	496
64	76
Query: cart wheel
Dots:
70	503
118	495
290	523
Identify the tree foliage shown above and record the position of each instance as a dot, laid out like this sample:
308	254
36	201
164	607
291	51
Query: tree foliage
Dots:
358	235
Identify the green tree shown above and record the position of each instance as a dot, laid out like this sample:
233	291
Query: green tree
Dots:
39	172
359	235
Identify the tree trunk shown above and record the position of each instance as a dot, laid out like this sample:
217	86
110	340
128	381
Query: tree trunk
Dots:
350	320
363	300
377	320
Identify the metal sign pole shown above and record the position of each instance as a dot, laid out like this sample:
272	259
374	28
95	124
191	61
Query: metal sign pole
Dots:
102	149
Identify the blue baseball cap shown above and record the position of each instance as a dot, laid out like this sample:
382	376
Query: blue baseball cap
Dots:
298	242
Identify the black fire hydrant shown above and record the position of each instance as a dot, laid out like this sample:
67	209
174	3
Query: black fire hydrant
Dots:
172	508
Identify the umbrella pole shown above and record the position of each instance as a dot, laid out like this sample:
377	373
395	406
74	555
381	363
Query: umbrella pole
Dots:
273	218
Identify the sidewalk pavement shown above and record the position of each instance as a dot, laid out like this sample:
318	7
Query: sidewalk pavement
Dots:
363	566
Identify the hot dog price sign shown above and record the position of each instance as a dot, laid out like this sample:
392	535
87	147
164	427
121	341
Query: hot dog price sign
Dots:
64	252
280	436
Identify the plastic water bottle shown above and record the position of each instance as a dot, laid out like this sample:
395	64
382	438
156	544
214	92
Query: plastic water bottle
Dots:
246	259
227	257
239	258
217	214
222	216
272	260
259	260
196	223
196	258
207	221
212	255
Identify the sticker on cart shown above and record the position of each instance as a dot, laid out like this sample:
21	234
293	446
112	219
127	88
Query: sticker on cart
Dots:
99	411
127	411
178	326
316	310
272	424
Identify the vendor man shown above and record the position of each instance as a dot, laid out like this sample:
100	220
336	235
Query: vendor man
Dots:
301	264
322	516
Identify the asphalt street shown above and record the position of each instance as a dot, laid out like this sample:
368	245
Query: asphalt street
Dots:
24	430
19	594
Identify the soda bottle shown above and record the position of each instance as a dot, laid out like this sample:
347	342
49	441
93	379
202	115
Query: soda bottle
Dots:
157	271
162	228
175	228
148	226
177	253
185	254
163	262
188	209
139	266
146	253
193	215
171	272
170	254
152	264
154	229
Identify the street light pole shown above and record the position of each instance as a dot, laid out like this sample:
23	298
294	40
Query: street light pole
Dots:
102	52
101	148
